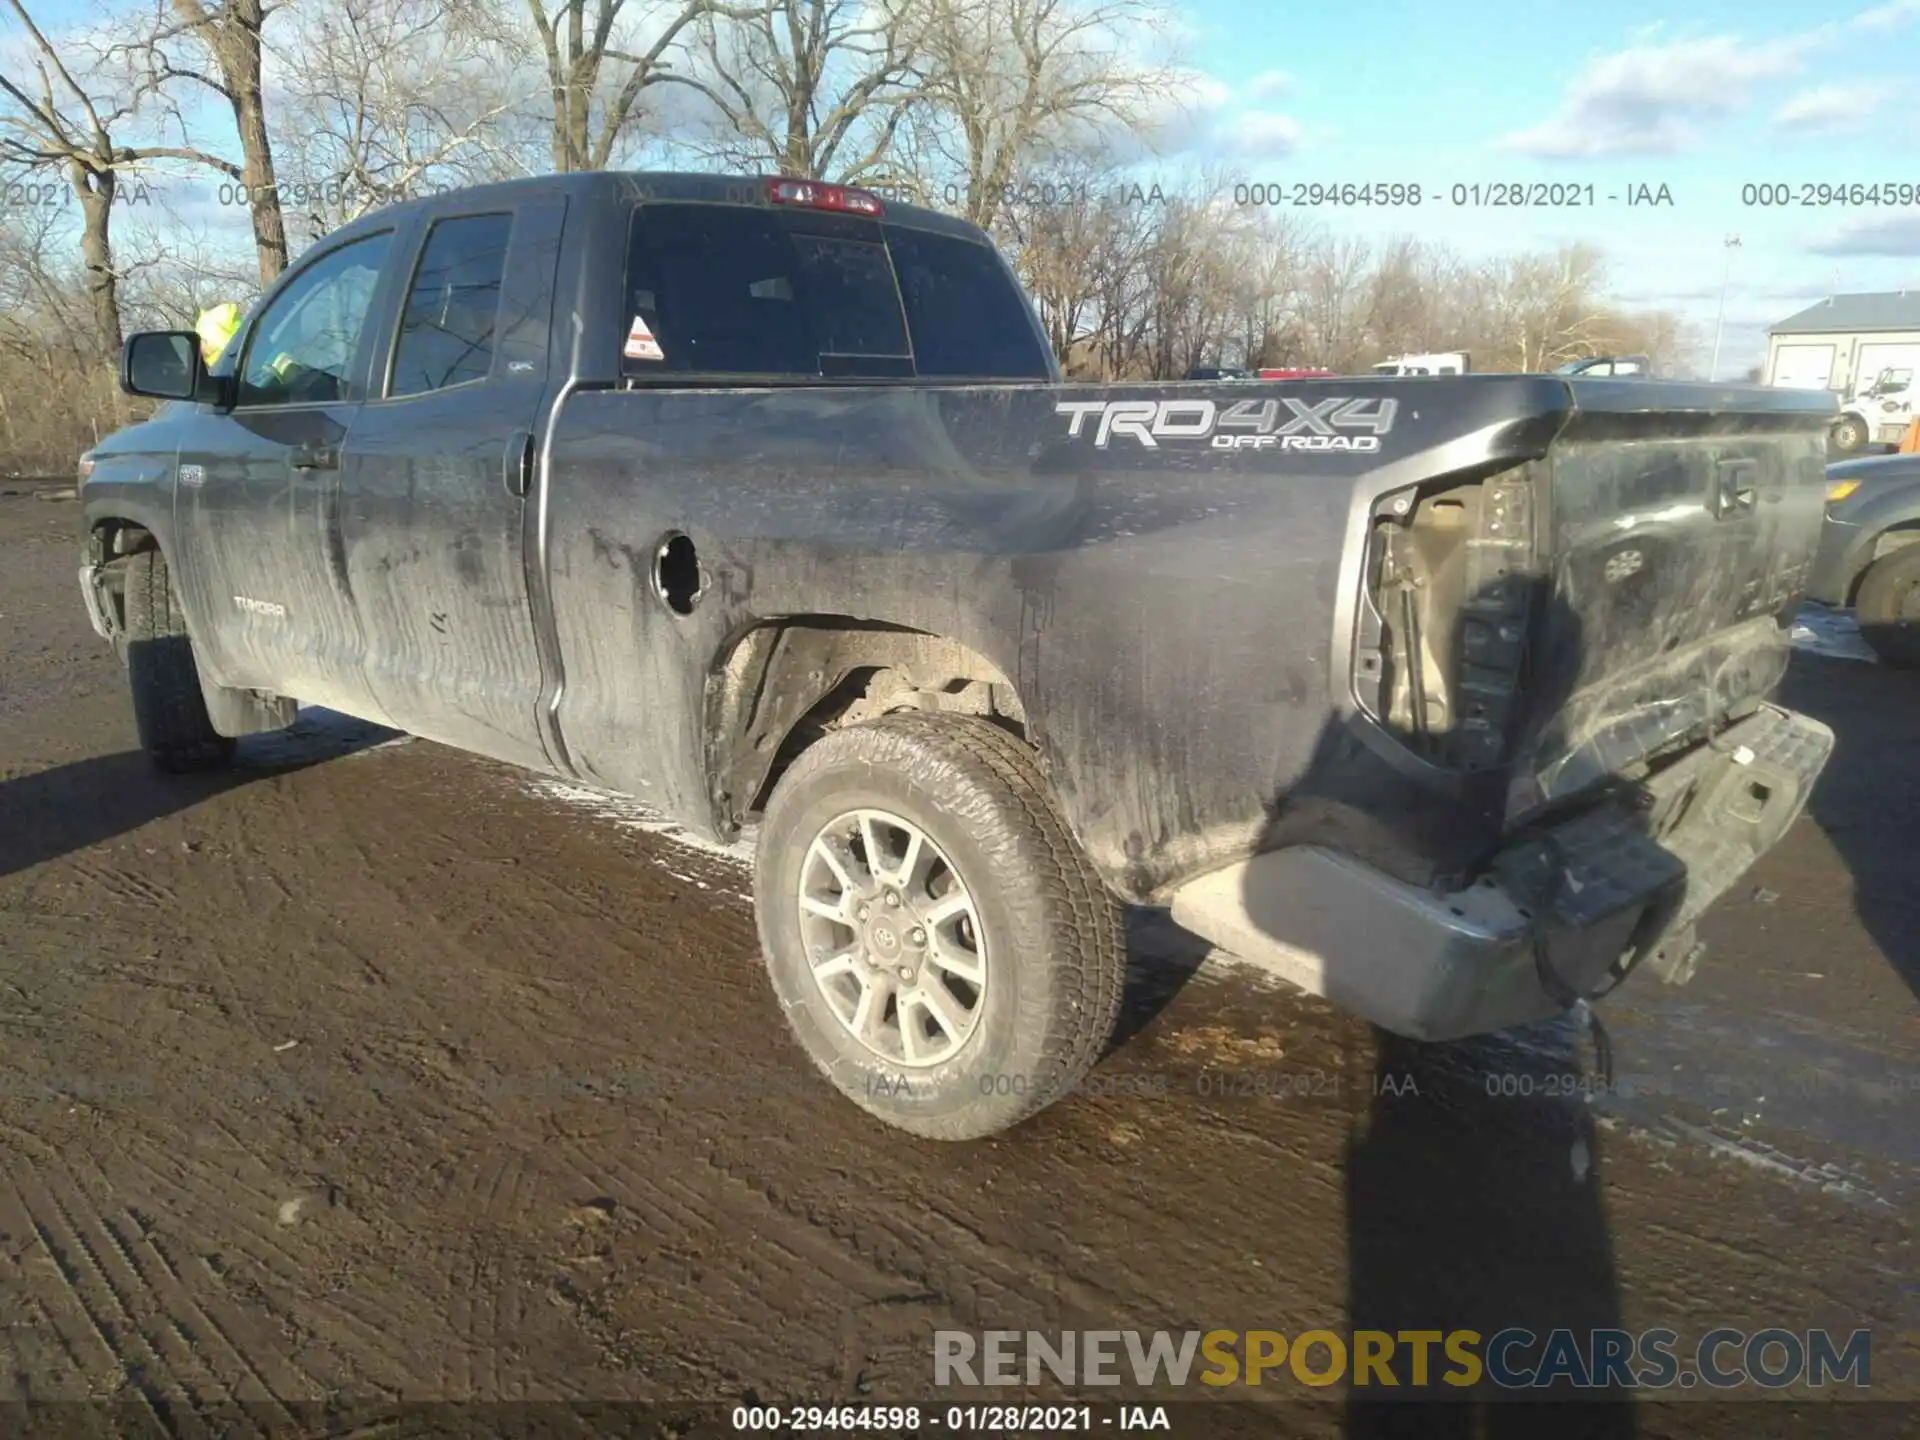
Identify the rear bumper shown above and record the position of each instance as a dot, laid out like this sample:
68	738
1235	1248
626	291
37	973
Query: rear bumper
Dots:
1588	897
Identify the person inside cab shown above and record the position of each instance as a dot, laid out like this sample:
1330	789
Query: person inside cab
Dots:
216	328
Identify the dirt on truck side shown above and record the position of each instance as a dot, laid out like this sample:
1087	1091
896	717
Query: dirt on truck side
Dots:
372	1073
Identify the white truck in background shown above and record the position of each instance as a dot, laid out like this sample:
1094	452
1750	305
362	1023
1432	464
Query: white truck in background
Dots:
1879	415
1453	362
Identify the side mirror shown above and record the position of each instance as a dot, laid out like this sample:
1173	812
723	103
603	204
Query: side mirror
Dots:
166	365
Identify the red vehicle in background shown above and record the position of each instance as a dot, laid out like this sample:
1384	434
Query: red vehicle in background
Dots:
1294	374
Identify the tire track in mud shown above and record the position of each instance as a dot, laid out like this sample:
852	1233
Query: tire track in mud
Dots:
490	1197
118	1304
246	1252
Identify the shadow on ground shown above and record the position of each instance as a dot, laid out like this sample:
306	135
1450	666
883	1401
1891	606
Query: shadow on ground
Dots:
1868	798
55	812
1473	1170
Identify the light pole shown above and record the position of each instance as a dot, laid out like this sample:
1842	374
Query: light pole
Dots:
1730	244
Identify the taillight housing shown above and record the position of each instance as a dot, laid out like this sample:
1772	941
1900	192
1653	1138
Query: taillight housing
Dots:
86	468
818	195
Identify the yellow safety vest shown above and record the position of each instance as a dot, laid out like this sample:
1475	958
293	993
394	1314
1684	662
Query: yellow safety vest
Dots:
216	327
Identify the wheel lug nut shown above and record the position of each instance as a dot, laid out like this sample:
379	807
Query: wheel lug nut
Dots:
906	973
893	900
916	937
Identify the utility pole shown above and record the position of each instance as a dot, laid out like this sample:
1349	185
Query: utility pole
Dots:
1730	244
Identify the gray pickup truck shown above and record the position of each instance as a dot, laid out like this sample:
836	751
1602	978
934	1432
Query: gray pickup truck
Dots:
1869	555
763	501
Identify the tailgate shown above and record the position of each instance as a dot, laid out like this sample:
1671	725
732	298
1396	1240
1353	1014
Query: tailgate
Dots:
1677	535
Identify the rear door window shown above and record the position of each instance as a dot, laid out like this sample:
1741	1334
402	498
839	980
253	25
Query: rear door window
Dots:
733	290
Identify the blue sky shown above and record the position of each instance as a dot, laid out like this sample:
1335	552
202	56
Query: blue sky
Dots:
1704	98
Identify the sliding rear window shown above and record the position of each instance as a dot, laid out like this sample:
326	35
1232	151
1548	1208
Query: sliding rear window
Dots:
735	290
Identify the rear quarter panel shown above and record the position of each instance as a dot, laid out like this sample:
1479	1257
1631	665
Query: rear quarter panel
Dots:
1167	614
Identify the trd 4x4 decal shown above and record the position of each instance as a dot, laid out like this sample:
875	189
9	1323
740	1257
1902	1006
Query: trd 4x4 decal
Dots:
1340	422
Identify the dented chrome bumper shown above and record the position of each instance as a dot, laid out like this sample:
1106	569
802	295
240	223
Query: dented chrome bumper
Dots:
96	604
1587	899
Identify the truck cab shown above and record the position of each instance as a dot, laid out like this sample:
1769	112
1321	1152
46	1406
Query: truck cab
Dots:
1606	366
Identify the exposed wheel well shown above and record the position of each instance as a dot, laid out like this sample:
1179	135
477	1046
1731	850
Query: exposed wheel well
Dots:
783	684
112	539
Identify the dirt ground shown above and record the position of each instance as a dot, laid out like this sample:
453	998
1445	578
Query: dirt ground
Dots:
374	1073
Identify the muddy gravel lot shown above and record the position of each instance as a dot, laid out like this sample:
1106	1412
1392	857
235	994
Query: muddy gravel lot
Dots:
373	1074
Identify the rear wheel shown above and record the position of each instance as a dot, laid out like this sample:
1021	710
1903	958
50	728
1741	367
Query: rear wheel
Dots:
169	708
1888	607
1849	434
941	947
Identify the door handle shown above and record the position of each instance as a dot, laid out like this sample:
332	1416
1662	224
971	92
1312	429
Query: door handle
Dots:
315	457
517	464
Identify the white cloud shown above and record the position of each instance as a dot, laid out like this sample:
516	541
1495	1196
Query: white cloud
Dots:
1181	126
1896	237
1646	100
1650	98
1269	85
1208	119
1888	17
1830	109
1662	296
1263	133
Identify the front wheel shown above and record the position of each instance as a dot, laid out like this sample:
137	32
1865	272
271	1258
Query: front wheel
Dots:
941	947
1850	434
169	708
1887	607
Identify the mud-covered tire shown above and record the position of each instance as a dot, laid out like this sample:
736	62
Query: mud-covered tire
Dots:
169	709
1054	939
1887	607
1849	434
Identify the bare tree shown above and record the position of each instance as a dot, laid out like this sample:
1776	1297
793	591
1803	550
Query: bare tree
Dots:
1268	265
1546	308
1332	294
59	121
178	270
1074	247
1190	281
386	97
815	89
56	395
601	57
1007	82
189	49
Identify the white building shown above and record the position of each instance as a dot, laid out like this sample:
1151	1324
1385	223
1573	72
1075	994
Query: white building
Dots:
1843	342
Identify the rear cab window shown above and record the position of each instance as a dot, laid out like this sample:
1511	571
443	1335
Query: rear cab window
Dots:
741	291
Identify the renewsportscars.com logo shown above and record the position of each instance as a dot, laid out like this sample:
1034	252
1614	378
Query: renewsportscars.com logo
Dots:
1341	422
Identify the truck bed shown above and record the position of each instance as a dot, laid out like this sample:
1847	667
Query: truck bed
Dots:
1200	606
